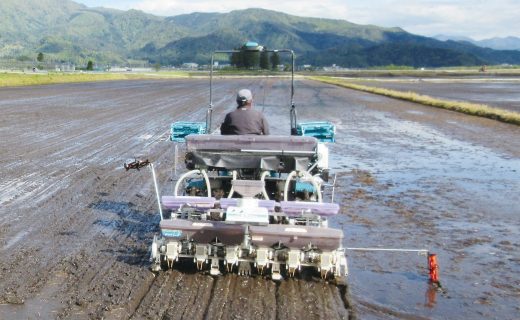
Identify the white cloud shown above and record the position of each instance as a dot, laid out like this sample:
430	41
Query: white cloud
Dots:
476	18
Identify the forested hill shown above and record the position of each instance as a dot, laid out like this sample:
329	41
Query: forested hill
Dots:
67	31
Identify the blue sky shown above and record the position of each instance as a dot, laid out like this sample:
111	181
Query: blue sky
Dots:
477	19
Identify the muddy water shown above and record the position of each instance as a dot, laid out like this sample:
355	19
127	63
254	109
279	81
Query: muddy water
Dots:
452	197
496	92
75	228
411	177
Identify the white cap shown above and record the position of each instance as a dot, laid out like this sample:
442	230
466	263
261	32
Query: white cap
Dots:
244	95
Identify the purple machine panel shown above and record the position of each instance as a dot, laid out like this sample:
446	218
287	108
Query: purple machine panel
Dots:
203	231
295	208
296	237
175	203
232	202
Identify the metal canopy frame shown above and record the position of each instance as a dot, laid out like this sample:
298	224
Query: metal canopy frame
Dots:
255	48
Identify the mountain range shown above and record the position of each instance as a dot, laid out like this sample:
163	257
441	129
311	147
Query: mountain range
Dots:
497	43
66	31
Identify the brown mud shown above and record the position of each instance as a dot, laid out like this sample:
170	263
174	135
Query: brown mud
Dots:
75	228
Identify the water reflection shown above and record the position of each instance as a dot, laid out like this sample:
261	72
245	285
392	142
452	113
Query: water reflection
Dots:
430	298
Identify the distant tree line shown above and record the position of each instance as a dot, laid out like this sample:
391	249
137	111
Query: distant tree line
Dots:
244	59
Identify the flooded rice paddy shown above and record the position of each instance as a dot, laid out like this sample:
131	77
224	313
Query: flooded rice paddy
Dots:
501	93
75	228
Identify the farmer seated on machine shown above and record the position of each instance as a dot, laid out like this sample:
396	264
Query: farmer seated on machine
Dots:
244	120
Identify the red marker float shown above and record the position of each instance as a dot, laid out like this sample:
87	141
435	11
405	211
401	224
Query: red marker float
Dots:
434	269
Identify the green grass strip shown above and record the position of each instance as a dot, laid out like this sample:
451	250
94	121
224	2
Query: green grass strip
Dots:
31	79
474	109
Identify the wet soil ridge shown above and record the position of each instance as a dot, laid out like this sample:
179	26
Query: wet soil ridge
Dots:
473	109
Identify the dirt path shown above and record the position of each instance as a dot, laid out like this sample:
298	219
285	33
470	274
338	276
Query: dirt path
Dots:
75	227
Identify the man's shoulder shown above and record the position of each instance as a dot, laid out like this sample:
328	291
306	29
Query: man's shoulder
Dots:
256	112
240	113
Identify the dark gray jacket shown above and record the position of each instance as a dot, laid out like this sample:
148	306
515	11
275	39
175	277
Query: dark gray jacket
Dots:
244	121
